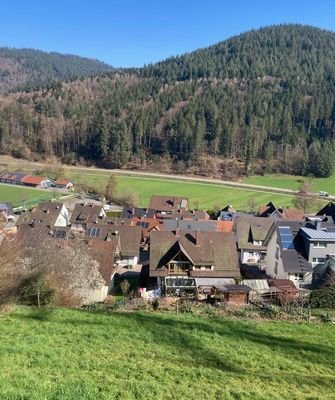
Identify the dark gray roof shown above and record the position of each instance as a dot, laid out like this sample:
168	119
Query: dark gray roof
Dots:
293	262
130	212
189	225
318	234
329	209
7	208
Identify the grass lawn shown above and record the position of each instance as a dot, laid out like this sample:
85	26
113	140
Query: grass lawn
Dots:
20	196
204	195
72	354
292	182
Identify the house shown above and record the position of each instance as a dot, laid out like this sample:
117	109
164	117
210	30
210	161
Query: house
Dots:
130	240
328	211
14	178
148	225
47	213
63	184
319	245
286	256
251	233
6	211
228	213
291	214
36	181
165	205
84	214
193	225
105	253
194	215
267	211
324	272
137	212
176	258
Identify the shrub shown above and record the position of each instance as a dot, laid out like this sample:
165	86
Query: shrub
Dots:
323	298
271	311
185	307
155	304
35	289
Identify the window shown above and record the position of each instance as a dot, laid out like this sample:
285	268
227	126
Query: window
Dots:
318	260
320	245
299	277
258	242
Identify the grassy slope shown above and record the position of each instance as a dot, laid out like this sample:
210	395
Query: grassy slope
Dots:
19	195
69	354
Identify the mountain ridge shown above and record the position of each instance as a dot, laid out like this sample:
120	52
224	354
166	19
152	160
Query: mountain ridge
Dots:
265	98
27	68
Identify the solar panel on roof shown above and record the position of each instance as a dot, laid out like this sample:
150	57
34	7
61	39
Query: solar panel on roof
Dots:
286	237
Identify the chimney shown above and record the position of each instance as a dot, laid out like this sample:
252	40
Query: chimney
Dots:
317	224
177	233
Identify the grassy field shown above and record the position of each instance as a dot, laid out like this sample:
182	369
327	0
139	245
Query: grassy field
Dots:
21	196
202	195
72	354
293	182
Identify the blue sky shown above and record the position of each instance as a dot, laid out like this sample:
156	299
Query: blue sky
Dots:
133	33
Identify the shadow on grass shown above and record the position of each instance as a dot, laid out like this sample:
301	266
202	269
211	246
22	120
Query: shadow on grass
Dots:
179	334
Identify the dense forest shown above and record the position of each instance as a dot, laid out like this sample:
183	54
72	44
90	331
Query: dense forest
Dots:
262	101
28	69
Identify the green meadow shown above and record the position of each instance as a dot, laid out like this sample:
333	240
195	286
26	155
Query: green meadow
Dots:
63	354
293	182
202	195
21	196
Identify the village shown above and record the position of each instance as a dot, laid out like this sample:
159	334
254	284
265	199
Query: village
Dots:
168	250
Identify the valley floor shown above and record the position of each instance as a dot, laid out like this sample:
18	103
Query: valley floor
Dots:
75	354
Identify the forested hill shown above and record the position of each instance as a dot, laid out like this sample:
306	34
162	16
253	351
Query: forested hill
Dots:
28	68
283	51
264	99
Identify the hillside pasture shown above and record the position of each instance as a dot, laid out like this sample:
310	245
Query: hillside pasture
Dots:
64	354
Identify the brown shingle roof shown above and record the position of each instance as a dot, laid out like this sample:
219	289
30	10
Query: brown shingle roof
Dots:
104	253
201	248
45	213
293	214
249	228
130	237
168	203
86	213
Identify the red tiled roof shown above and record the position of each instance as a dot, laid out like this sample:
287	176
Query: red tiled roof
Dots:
224	226
62	182
33	180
